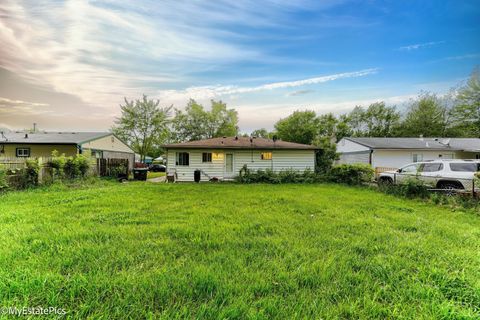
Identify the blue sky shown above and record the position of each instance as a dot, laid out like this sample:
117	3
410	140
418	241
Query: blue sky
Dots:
68	64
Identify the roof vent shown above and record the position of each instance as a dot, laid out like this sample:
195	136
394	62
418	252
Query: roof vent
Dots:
274	138
236	137
224	137
26	135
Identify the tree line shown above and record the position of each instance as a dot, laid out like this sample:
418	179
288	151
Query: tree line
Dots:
146	126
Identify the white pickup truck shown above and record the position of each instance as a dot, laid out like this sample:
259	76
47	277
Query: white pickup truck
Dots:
439	174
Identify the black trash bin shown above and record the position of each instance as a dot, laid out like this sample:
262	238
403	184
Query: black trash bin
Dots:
140	174
196	175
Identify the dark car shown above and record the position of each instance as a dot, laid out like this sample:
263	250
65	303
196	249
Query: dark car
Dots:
157	168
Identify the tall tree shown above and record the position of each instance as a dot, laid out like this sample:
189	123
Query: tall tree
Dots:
300	127
262	133
377	120
466	115
221	121
426	116
380	120
143	124
356	122
195	123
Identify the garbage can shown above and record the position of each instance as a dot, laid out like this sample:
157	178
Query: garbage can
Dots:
140	174
196	175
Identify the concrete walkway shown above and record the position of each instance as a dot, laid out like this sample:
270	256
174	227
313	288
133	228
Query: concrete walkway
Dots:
158	179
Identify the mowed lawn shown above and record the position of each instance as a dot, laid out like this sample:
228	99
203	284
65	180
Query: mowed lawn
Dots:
226	251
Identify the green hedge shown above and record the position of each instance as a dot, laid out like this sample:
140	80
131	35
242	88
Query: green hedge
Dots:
3	178
352	174
269	176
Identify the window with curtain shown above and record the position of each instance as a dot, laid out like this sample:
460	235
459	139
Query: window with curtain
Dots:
183	159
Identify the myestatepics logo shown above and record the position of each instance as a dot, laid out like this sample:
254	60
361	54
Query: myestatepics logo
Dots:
29	311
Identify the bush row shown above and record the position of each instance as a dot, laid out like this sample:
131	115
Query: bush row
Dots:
20	178
352	174
416	188
62	168
69	167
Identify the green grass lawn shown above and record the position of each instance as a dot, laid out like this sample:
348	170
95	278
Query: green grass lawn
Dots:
215	251
151	174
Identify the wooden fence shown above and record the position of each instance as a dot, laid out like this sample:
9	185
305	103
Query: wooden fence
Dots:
98	167
112	167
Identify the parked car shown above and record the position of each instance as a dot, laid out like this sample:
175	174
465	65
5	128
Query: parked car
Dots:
157	168
439	174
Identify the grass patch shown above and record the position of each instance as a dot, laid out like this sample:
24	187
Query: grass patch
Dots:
141	250
151	174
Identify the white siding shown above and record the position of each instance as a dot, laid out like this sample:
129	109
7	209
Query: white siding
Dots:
185	173
346	145
108	143
400	158
362	157
281	160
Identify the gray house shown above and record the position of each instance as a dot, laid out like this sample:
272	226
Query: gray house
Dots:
397	152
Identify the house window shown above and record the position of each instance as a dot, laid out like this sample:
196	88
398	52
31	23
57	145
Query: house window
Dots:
417	157
217	156
98	154
183	159
207	157
23	152
266	156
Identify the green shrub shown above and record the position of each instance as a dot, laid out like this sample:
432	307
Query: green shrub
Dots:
57	163
82	163
3	178
69	167
70	170
352	174
284	176
413	188
30	173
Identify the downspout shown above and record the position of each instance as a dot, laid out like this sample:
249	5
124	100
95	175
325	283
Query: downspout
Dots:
370	157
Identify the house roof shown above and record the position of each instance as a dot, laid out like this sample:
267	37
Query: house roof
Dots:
51	137
240	143
452	144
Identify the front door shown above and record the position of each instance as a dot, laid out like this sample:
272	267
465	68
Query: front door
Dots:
228	165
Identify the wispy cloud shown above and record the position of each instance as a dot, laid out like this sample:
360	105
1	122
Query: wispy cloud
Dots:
298	93
96	50
420	45
459	57
209	92
8	106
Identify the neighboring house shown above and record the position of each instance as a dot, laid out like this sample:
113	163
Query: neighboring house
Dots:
41	144
222	158
147	159
397	152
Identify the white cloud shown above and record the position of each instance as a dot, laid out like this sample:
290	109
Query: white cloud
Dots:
100	50
8	106
210	92
420	45
298	93
460	57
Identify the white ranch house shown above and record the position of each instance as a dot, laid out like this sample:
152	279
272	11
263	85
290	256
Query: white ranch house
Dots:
394	153
222	158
